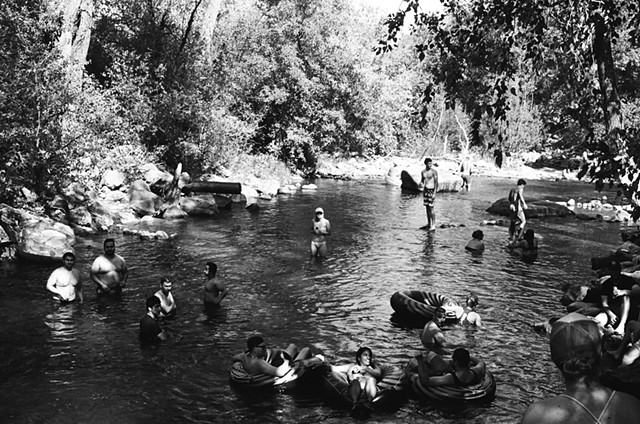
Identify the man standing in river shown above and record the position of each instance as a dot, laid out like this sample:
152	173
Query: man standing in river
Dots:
64	282
517	205
214	289
109	271
321	227
429	183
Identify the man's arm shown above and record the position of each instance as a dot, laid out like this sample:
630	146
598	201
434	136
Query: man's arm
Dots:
604	301
327	228
125	272
479	368
444	380
93	274
78	286
435	182
222	290
265	368
51	283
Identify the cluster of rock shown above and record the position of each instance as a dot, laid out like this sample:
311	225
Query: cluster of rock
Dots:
121	207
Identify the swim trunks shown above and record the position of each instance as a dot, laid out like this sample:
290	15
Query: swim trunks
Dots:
429	196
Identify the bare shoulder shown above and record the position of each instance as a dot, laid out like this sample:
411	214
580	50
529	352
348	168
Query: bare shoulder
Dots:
548	411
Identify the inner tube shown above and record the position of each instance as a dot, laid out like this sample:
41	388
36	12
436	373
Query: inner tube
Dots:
241	378
483	392
420	305
390	387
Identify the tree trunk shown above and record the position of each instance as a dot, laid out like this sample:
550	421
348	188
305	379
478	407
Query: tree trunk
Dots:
209	20
610	102
75	34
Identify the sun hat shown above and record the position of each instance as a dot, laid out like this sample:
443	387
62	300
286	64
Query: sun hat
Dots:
319	210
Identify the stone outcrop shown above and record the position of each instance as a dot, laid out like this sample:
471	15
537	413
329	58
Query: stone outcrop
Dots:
199	205
142	200
536	208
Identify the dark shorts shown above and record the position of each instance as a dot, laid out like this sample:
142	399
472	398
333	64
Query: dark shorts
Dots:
466	178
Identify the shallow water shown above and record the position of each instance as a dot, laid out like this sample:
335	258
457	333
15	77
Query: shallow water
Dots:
83	363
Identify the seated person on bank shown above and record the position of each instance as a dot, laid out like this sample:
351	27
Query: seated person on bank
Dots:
259	359
616	295
363	376
476	244
463	370
629	348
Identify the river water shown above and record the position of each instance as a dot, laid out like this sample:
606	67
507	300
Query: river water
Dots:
83	363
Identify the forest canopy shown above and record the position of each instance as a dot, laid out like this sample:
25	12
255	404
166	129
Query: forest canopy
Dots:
89	85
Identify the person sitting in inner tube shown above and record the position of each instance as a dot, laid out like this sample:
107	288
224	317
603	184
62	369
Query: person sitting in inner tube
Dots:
465	370
254	359
363	376
470	316
431	336
476	244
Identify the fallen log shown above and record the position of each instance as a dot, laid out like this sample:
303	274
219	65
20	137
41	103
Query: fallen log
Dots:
220	187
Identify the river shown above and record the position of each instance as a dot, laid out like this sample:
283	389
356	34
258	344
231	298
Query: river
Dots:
83	363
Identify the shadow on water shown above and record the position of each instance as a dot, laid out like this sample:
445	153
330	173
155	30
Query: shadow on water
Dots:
83	363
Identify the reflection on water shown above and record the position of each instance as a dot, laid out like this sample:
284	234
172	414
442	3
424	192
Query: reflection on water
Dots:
83	363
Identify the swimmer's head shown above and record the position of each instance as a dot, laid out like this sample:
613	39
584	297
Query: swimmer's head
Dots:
472	300
427	161
461	357
152	301
361	351
68	254
212	268
477	234
319	211
576	345
529	235
255	341
522	182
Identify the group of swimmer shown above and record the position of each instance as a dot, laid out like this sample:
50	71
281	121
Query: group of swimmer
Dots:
110	274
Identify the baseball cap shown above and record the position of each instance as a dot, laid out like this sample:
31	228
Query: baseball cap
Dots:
319	210
574	336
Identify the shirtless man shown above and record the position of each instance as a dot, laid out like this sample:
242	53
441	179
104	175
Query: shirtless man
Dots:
254	360
109	271
214	289
150	330
466	168
432	337
64	282
517	206
429	183
167	303
320	229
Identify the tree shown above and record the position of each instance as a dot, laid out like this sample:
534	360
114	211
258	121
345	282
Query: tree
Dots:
502	35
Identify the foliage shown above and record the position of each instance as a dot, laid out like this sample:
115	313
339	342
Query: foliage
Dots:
33	99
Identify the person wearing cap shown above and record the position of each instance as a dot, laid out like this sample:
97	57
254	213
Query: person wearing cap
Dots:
321	227
64	282
167	302
431	336
259	359
150	330
517	206
470	316
616	293
576	349
429	185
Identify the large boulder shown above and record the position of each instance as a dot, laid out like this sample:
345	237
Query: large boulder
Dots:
102	214
199	205
113	179
36	238
536	208
81	216
142	200
174	212
153	175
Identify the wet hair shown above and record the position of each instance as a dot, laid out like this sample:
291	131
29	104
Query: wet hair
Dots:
361	351
522	182
576	368
213	268
477	234
253	342
427	160
461	357
152	301
68	254
164	280
472	300
529	236
109	240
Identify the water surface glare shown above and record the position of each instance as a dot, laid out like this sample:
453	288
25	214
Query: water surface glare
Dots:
83	363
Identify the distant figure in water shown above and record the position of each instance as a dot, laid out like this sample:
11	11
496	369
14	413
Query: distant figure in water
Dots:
517	205
476	244
528	243
214	289
167	302
109	271
470	316
429	185
321	227
466	168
